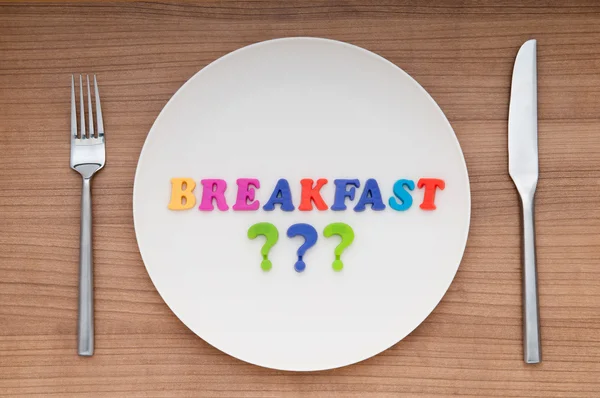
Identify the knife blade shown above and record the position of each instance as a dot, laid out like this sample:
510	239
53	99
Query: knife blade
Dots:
523	169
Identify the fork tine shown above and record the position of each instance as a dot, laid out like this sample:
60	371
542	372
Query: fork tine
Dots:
90	115
73	110
99	121
81	110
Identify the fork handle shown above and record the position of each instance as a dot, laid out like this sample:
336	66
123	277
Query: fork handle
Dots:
85	322
531	322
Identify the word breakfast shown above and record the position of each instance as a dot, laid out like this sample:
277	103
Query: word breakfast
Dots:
213	191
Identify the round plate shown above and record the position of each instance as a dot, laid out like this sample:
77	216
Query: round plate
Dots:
294	109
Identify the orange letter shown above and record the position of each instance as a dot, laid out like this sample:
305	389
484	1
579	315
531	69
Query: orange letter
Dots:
310	194
430	185
182	197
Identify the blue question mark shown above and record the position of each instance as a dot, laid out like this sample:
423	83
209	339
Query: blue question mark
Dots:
310	238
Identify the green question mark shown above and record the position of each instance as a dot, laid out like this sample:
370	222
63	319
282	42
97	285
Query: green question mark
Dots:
270	232
347	235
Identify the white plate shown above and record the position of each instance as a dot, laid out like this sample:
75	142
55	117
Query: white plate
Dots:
302	108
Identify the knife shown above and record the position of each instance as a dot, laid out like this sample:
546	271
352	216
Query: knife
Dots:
523	169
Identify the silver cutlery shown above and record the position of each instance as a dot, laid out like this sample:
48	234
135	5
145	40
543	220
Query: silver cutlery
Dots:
87	157
523	169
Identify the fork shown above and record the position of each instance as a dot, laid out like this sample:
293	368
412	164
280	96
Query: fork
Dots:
87	157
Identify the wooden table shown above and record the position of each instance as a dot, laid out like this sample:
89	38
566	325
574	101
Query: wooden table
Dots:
142	53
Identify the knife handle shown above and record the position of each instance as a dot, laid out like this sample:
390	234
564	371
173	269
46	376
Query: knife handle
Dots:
531	322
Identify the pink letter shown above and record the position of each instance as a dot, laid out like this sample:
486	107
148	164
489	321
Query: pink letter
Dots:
246	194
213	189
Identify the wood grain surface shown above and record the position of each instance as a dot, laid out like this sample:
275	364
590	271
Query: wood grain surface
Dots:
462	52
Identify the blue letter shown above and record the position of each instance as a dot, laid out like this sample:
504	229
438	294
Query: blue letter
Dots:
371	195
341	193
402	194
282	195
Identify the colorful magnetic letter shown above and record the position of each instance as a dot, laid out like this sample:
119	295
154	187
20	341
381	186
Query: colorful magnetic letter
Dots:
402	194
270	232
347	234
341	193
213	189
182	198
430	185
310	235
311	194
246	193
282	195
370	195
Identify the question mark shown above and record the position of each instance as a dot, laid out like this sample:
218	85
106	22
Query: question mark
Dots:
347	235
270	232
310	238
